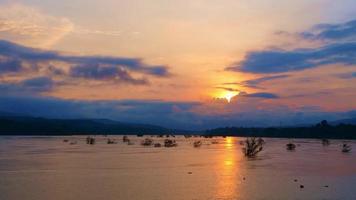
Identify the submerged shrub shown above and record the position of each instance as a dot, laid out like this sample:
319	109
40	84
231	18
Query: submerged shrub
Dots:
170	143
125	139
147	142
111	141
291	146
346	148
90	140
197	143
253	146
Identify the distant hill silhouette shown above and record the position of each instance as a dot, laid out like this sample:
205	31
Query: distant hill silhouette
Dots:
320	130
23	125
344	121
14	124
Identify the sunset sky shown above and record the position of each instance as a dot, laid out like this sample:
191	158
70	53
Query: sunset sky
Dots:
187	64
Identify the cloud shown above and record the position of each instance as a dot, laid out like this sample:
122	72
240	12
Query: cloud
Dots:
332	31
10	65
337	45
228	89
264	95
42	83
254	83
277	61
30	26
104	72
29	86
257	81
348	75
12	50
17	58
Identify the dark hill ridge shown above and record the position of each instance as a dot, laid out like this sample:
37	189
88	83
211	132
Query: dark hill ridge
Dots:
17	125
344	121
320	130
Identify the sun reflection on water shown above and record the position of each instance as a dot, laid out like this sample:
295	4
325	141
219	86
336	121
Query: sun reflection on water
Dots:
227	170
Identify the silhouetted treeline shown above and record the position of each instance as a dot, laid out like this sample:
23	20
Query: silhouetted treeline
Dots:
43	126
320	130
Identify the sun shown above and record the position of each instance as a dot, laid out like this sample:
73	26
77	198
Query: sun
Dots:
228	96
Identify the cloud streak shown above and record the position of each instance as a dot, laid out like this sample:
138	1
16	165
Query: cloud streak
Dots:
30	26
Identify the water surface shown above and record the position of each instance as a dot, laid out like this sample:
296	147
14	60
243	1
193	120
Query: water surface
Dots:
46	168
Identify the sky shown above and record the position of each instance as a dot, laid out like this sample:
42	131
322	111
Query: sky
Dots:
180	64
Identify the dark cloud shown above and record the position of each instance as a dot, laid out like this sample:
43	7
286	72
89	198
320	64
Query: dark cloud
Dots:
264	95
228	89
10	65
28	86
276	61
243	84
332	31
339	47
349	75
93	71
42	83
13	57
255	83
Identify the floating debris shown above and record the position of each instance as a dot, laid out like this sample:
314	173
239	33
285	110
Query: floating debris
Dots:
291	146
301	186
147	142
90	140
214	142
157	145
65	140
73	142
111	141
325	142
346	148
125	138
295	180
252	147
190	172
170	143
197	143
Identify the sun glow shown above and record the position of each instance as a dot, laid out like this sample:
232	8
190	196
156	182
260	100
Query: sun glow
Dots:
226	95
229	95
